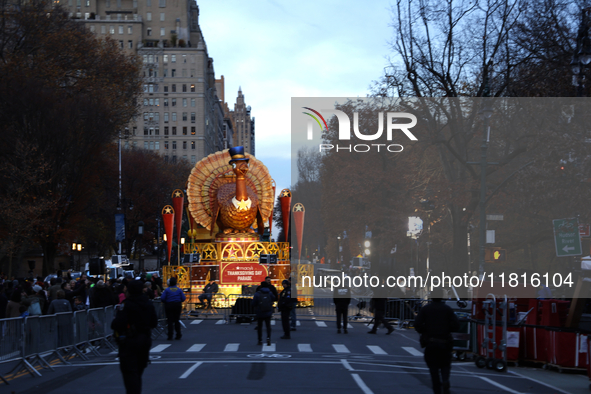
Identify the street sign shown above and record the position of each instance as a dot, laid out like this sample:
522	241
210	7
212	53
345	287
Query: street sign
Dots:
566	237
584	230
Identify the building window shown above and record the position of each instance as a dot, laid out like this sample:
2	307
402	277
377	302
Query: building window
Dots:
166	117
184	58
166	102
149	16
151	88
173	160
87	15
184	72
145	130
184	116
193	145
162	17
121	45
192	102
146	145
129	29
192	72
173	130
162	31
145	118
112	29
173	118
150	58
173	145
103	29
173	74
149	32
149	3
166	130
157	130
192	88
173	58
192	117
130	44
162	3
92	28
165	73
108	5
157	116
192	130
184	102
134	130
184	88
184	144
166	158
151	117
145	58
165	146
151	145
174	88
156	101
151	101
165	88
185	157
120	29
184	130
173	102
157	147
193	159
87	3
165	59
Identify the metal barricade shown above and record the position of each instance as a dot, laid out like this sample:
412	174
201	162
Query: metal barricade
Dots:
40	337
80	342
242	309
11	339
161	327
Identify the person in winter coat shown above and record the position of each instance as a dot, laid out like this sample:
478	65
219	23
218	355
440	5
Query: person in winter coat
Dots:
435	322
262	302
60	304
133	325
173	299
341	299
102	296
286	303
379	308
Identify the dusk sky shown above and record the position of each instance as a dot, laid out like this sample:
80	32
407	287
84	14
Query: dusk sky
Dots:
276	50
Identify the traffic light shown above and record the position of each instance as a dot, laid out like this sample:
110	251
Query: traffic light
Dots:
495	255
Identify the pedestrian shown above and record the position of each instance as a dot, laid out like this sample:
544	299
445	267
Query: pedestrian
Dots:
286	303
435	322
292	313
342	299
133	325
60	304
262	303
379	310
209	290
173	299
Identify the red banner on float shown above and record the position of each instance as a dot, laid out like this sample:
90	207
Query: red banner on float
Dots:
285	200
242	273
168	219
271	216
178	199
298	217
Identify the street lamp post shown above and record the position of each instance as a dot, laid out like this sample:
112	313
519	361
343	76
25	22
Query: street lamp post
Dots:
582	55
338	251
166	254
140	232
486	113
78	247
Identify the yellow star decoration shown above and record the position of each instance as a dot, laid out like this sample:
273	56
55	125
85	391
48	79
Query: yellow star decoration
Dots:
298	207
285	193
243	205
168	210
177	194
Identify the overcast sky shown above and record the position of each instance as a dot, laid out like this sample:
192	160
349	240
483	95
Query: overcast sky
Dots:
280	49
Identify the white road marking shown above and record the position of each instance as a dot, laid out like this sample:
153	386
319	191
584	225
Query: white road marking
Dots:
304	347
341	349
196	348
413	351
347	365
273	322
376	349
298	323
269	348
232	347
220	322
507	389
190	370
361	384
321	324
159	348
196	321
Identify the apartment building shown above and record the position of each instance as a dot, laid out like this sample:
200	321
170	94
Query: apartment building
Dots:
243	124
181	116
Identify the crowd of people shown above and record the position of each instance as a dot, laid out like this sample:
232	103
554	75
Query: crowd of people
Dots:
32	296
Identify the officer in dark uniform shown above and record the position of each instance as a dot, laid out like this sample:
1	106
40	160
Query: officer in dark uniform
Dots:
132	326
435	322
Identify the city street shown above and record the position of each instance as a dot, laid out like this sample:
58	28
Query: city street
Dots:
218	357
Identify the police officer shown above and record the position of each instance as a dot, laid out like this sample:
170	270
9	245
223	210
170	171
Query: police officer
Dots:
132	325
286	303
173	299
435	322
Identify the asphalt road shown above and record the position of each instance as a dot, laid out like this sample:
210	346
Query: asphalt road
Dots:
224	358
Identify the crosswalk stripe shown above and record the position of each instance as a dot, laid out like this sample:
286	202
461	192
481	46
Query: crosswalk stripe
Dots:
196	348
413	351
341	349
298	323
304	347
190	370
196	321
273	322
159	348
376	349
232	347
220	322
349	326
321	323
269	348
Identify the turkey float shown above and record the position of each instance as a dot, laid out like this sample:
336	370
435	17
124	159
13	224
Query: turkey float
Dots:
232	189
